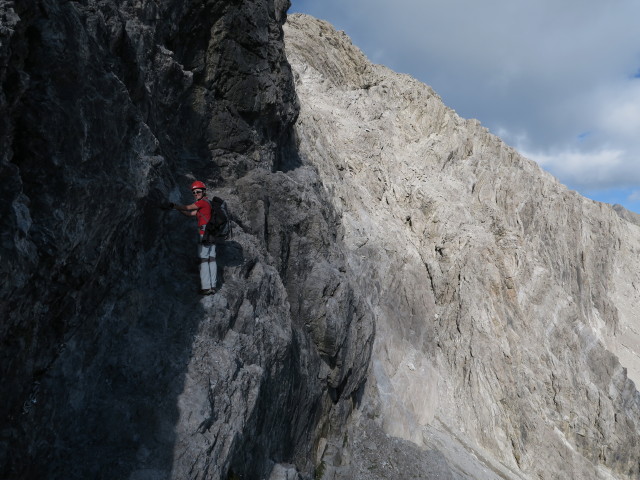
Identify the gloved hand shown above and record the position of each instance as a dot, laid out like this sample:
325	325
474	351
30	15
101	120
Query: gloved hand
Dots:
167	206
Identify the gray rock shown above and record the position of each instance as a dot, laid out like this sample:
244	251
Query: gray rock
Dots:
506	305
112	366
284	472
627	215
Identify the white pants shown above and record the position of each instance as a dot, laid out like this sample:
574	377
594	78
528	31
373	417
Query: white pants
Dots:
208	266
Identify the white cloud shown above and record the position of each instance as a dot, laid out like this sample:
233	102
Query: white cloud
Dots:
553	78
634	197
620	115
599	170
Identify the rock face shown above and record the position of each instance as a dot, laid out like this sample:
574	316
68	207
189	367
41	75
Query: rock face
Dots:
506	306
111	365
626	214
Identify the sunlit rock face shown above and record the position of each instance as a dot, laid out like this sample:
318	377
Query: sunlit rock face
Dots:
112	366
506	306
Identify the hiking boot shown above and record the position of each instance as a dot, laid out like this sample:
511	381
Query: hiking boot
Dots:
206	291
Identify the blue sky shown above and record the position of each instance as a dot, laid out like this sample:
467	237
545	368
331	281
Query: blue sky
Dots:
558	80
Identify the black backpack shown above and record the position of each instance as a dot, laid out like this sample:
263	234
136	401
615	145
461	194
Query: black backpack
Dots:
219	226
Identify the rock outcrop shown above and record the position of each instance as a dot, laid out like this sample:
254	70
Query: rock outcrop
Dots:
506	306
111	365
627	215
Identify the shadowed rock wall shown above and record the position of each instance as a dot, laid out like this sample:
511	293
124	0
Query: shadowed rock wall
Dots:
111	365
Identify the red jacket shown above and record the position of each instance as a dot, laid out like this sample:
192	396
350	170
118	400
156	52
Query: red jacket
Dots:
203	215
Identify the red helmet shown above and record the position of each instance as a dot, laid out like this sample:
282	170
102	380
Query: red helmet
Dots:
198	184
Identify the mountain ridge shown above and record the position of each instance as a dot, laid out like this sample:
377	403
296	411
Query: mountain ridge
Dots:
487	247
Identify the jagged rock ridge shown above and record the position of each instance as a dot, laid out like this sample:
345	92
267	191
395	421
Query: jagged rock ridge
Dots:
506	306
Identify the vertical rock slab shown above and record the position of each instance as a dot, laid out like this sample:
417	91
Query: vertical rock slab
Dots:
112	366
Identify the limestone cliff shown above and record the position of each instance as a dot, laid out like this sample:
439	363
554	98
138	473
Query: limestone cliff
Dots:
112	366
506	306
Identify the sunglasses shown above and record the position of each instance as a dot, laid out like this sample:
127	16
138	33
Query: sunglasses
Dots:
196	192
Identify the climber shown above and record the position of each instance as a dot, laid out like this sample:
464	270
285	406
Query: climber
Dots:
201	209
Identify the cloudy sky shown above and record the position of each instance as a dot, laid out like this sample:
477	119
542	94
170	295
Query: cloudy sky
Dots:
557	79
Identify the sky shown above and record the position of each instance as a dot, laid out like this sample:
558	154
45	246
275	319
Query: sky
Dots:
559	80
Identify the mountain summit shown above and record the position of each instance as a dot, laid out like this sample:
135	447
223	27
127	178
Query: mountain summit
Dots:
506	305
